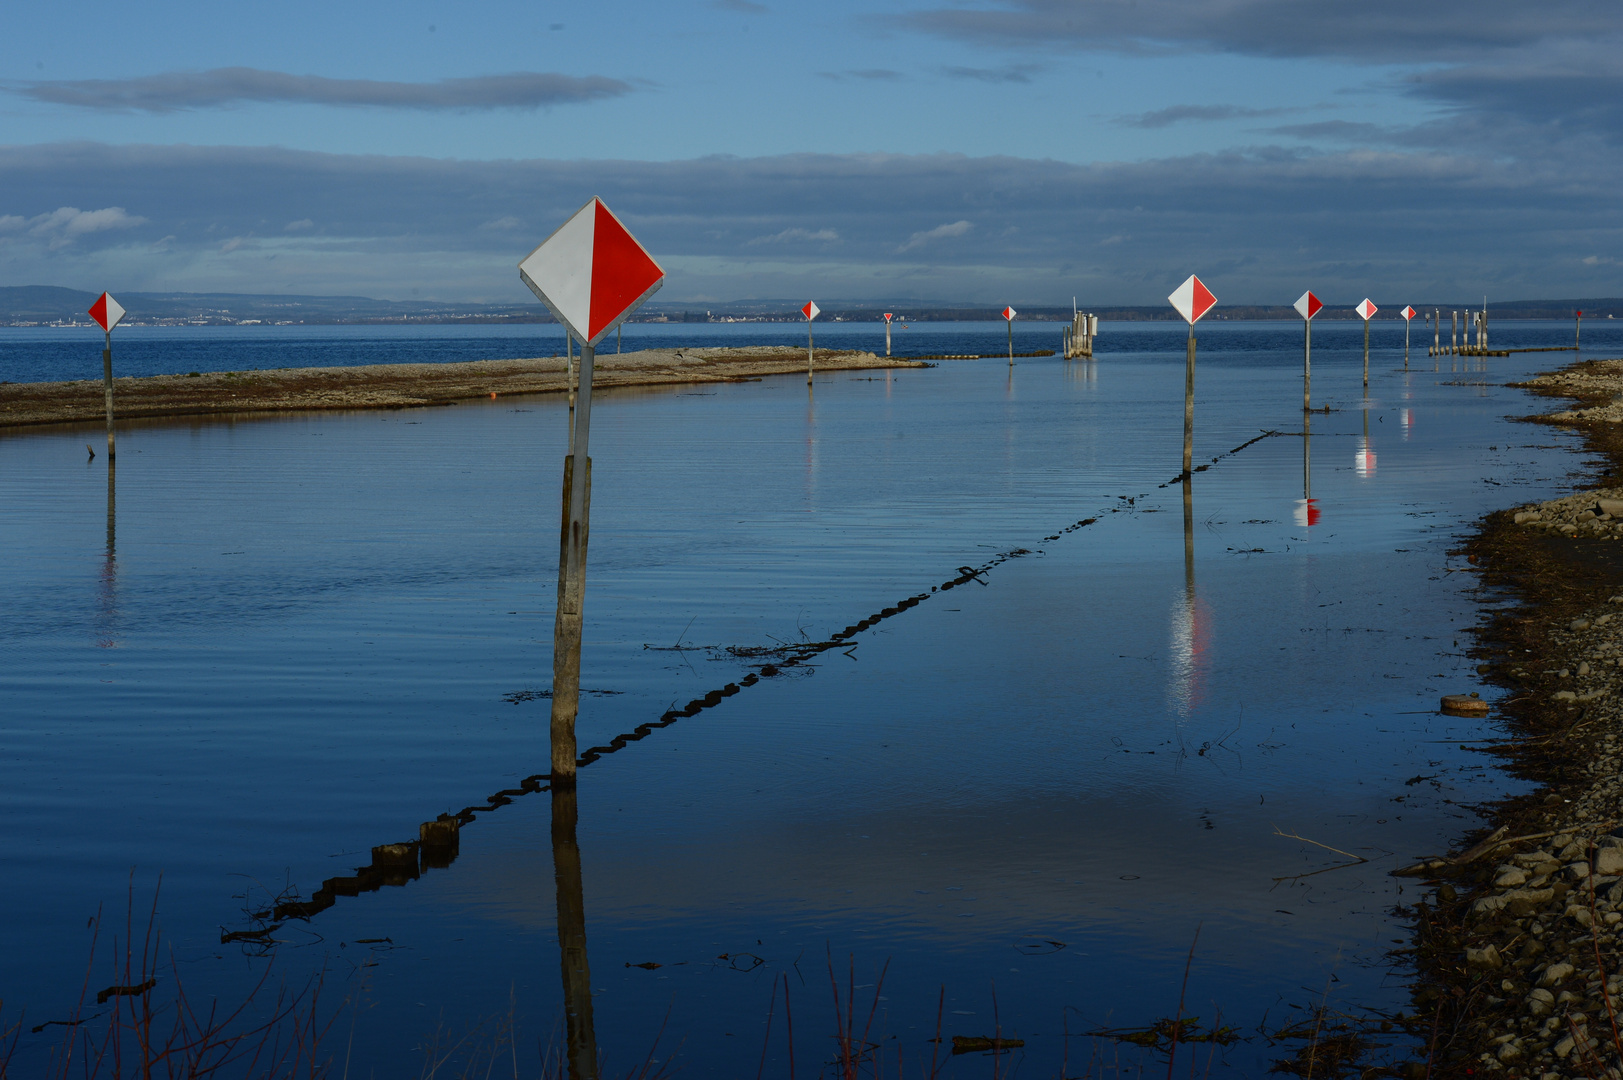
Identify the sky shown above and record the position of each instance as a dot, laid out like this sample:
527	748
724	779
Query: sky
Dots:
983	151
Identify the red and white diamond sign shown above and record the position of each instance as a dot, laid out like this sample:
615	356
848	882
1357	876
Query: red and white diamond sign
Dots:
1408	313
591	273
1192	300
1307	305
106	311
1009	313
811	310
1366	309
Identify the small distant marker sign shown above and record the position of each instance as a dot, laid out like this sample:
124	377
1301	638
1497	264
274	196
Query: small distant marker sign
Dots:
1192	300
1366	309
1009	313
591	273
811	310
888	316
1307	305
106	311
1408	313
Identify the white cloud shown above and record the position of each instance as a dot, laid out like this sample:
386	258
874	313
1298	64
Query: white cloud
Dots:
502	224
940	232
64	225
232	244
299	226
789	236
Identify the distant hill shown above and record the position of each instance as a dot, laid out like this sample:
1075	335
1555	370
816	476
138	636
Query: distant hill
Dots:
34	305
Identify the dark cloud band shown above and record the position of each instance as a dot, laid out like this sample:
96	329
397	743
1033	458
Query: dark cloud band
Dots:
173	91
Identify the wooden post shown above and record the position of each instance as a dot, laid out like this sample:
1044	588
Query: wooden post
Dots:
579	1031
887	337
566	633
1577	331
1436	332
1366	354
1406	344
808	352
1011	341
1307	365
1189	407
107	387
1454	335
619	338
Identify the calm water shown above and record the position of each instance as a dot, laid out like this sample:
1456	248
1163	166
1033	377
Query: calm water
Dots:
282	641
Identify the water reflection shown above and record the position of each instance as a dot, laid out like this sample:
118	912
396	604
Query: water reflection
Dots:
1190	629
1364	459
107	590
1307	508
577	977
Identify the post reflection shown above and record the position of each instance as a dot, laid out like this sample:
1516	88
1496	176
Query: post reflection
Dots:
1307	508
1189	632
107	591
1364	459
811	446
580	1035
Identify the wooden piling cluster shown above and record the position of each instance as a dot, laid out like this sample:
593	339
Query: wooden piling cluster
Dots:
1461	343
1078	337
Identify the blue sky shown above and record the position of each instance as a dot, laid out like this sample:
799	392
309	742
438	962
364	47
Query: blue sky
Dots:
983	151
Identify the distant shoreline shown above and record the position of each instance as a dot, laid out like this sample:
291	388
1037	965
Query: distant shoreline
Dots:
401	386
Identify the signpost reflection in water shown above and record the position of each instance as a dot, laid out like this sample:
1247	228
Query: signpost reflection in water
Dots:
109	570
577	975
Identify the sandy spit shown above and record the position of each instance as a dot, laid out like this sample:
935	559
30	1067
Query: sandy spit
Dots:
399	386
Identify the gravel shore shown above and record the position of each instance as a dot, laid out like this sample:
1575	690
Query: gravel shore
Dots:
398	386
1518	942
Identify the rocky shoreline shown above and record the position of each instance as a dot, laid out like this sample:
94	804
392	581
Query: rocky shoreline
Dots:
1520	970
400	386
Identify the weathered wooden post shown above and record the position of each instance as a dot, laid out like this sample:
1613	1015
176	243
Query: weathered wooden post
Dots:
1008	317
1577	331
811	311
1454	334
107	312
887	333
1307	305
1437	332
1192	300
591	273
1366	309
1408	314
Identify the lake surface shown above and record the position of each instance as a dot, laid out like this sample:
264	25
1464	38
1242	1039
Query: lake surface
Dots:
270	644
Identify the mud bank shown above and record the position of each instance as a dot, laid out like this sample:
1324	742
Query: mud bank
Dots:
399	386
1520	969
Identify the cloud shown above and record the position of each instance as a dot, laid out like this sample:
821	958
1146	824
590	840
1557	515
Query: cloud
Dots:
1254	222
301	225
1377	31
1177	114
991	75
232	244
795	235
506	223
60	227
869	74
222	87
940	232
